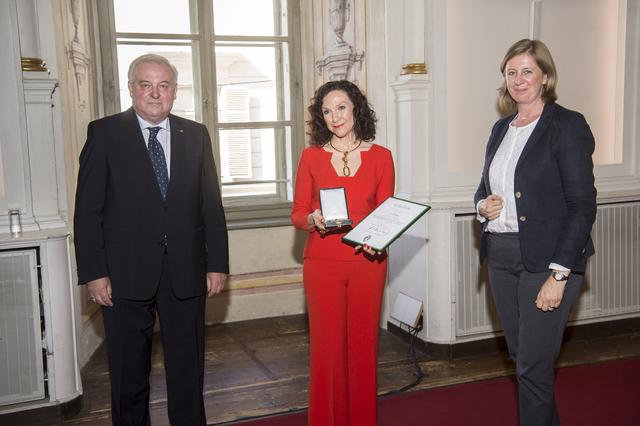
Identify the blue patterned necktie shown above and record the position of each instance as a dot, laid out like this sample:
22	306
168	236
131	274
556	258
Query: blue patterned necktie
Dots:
159	163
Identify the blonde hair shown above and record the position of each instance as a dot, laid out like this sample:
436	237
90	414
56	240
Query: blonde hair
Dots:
540	53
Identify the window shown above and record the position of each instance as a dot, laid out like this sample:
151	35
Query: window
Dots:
238	67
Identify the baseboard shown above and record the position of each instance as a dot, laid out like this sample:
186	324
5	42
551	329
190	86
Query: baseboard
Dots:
43	416
498	344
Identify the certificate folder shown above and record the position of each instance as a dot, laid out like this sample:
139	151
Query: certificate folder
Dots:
386	223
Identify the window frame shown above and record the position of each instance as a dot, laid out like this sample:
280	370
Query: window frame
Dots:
244	212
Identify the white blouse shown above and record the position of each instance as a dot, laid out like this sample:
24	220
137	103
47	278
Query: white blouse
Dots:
502	175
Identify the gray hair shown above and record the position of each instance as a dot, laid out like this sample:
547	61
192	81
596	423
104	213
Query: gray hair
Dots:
153	59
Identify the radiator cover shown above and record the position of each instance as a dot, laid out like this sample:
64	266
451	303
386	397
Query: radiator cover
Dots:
22	376
612	280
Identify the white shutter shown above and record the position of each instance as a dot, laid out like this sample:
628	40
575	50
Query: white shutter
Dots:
235	144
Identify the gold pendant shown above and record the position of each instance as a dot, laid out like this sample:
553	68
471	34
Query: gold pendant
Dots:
346	170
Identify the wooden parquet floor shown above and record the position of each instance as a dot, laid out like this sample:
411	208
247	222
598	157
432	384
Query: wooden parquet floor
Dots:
260	367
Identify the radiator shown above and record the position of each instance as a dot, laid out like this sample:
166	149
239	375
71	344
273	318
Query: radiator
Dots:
612	280
21	356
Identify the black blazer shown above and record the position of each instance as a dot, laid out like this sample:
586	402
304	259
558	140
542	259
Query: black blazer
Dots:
121	221
556	205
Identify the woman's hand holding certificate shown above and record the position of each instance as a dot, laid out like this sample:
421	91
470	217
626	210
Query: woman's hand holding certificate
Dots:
386	223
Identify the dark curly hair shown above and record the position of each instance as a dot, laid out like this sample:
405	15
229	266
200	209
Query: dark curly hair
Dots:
364	117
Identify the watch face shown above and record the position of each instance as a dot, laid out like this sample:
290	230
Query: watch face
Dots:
559	276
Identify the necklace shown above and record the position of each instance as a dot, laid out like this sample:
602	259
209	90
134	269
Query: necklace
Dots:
345	169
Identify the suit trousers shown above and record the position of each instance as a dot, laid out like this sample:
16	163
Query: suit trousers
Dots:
343	303
534	337
129	330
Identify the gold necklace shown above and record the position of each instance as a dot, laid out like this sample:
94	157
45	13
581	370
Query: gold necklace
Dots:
345	169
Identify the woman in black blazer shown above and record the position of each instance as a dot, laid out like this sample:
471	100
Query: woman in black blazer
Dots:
537	203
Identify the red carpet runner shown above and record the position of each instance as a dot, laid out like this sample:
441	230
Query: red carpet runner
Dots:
598	394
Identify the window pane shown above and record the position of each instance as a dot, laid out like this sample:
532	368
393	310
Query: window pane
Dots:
152	16
250	71
250	17
253	82
181	57
250	155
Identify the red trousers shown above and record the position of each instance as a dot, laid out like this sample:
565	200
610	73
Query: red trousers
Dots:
343	303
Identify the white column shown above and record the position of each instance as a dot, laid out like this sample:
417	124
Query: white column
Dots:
45	199
414	31
420	261
13	169
30	49
412	127
28	27
42	144
408	255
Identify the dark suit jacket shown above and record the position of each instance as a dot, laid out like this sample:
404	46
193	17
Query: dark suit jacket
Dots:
121	221
554	178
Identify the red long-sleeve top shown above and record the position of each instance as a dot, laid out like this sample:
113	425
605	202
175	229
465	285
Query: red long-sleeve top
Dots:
369	187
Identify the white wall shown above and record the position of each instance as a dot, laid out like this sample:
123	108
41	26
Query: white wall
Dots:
594	45
590	53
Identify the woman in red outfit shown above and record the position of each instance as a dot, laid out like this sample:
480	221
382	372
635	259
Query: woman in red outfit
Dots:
343	284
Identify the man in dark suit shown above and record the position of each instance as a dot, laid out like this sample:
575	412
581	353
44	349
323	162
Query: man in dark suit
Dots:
150	237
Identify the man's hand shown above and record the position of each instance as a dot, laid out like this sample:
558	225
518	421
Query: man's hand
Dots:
491	207
100	291
215	283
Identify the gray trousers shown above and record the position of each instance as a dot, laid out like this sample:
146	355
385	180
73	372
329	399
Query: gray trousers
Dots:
533	337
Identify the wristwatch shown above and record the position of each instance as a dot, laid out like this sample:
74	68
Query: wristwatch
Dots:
559	276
